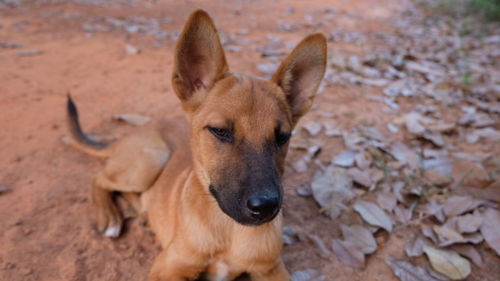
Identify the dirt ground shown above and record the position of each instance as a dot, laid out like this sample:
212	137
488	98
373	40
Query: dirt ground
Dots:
47	230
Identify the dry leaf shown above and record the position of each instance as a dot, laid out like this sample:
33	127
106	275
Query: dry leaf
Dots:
436	178
314	128
436	274
289	235
469	223
487	133
387	200
361	161
348	253
435	138
372	214
436	209
360	177
4	189
320	246
397	189
392	128
470	252
353	140
331	130
376	175
429	233
448	263
331	189
447	236
359	236
313	151
300	166
474	238
415	246
458	205
414	123
469	174
434	153
490	228
425	68
416	190
451	223
405	155
372	133
489	193
344	159
131	118
443	127
406	271
307	275
442	164
403	214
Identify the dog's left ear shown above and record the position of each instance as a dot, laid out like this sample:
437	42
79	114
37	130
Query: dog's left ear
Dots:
199	59
301	73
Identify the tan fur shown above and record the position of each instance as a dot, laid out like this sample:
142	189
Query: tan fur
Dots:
197	237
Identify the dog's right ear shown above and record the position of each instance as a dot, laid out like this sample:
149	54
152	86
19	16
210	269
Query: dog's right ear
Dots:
301	73
199	60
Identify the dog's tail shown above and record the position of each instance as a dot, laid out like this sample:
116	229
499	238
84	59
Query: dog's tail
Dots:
82	141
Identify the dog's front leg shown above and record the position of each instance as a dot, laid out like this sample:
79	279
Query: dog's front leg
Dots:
276	273
170	266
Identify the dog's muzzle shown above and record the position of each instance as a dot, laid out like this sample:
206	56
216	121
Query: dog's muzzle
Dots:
257	209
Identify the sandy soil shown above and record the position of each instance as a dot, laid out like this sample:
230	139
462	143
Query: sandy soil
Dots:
47	230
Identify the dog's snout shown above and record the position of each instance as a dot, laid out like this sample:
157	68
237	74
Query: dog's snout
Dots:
263	206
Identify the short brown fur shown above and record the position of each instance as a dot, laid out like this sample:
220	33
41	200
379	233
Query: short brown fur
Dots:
199	237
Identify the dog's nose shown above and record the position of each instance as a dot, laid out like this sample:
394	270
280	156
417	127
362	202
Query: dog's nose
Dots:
262	206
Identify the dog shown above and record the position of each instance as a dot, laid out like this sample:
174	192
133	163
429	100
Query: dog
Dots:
210	188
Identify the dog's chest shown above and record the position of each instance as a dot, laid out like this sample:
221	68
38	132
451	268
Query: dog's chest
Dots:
248	252
226	268
219	271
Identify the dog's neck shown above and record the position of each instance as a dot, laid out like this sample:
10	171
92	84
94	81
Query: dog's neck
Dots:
204	205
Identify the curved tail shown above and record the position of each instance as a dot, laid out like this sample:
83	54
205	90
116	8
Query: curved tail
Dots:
82	141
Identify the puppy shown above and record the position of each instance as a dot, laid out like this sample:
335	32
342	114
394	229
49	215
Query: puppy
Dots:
211	188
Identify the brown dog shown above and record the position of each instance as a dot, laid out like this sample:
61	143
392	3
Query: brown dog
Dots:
215	207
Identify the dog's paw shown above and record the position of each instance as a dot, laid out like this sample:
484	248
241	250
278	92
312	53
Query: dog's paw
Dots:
112	231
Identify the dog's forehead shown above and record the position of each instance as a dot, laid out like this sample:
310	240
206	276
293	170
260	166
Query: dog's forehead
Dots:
243	98
249	103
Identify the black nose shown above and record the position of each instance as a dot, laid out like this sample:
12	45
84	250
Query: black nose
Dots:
262	206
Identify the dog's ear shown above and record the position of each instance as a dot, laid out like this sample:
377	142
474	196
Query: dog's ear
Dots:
301	73
199	59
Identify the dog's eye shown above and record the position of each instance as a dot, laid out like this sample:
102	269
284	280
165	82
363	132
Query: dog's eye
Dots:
282	138
222	134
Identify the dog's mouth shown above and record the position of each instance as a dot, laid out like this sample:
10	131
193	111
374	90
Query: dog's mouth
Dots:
254	211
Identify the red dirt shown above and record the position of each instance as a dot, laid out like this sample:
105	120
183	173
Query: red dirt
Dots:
47	229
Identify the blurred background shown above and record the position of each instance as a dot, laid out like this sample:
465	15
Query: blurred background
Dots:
394	174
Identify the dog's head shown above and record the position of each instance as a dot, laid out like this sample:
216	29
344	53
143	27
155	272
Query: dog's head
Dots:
240	125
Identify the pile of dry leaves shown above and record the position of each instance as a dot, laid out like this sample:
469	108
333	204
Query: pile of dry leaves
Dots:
431	178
